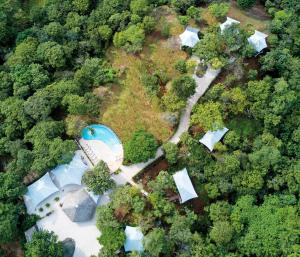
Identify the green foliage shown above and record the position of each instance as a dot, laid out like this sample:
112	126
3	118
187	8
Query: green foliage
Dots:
155	242
172	102
151	83
8	222
171	151
184	86
98	179
182	5
112	239
141	147
44	243
183	19
208	116
221	232
219	10
180	65
131	39
245	4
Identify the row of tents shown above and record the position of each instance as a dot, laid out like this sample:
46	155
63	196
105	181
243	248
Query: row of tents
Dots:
190	36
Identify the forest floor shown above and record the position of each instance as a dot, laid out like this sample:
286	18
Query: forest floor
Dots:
132	108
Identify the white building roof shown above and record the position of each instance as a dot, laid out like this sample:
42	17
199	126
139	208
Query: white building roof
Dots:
38	192
134	239
258	40
213	137
71	173
184	185
189	37
229	21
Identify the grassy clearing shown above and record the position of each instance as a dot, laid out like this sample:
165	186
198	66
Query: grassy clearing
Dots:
132	108
256	17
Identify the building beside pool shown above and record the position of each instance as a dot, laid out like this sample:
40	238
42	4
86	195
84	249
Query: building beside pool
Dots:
101	143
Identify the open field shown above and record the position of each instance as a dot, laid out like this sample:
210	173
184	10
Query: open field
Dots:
132	108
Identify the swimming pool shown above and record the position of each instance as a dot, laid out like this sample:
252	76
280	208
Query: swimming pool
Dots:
104	134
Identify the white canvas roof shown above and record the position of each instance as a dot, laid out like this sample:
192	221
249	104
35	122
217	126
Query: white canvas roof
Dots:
229	21
38	192
134	239
189	37
258	40
213	137
71	173
184	185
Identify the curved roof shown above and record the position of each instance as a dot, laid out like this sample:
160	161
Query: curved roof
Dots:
258	41
38	191
134	239
189	37
184	185
229	21
79	206
71	173
213	137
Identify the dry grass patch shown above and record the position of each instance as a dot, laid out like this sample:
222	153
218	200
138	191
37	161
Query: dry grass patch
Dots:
256	17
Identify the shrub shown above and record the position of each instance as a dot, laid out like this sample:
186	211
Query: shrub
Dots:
219	10
252	74
150	82
148	24
41	209
165	29
184	86
56	199
141	147
181	66
47	205
183	20
245	4
171	152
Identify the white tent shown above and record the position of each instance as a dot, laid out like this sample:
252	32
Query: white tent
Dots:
38	192
213	137
258	40
228	23
134	239
184	185
189	37
71	173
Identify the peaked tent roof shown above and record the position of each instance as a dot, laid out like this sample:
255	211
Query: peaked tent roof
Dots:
184	185
189	37
134	239
258	40
38	192
70	173
79	206
213	137
229	21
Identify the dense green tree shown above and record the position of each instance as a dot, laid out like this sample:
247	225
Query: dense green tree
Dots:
5	85
131	39
155	242
52	54
98	179
141	147
74	125
182	5
171	151
11	186
245	4
221	232
208	115
44	243
273	225
219	10
9	213
184	86
112	239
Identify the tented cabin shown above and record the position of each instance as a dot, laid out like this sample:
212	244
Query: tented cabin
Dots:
229	22
213	137
258	41
134	239
189	37
184	185
39	191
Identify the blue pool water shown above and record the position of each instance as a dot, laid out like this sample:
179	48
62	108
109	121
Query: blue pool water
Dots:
104	134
